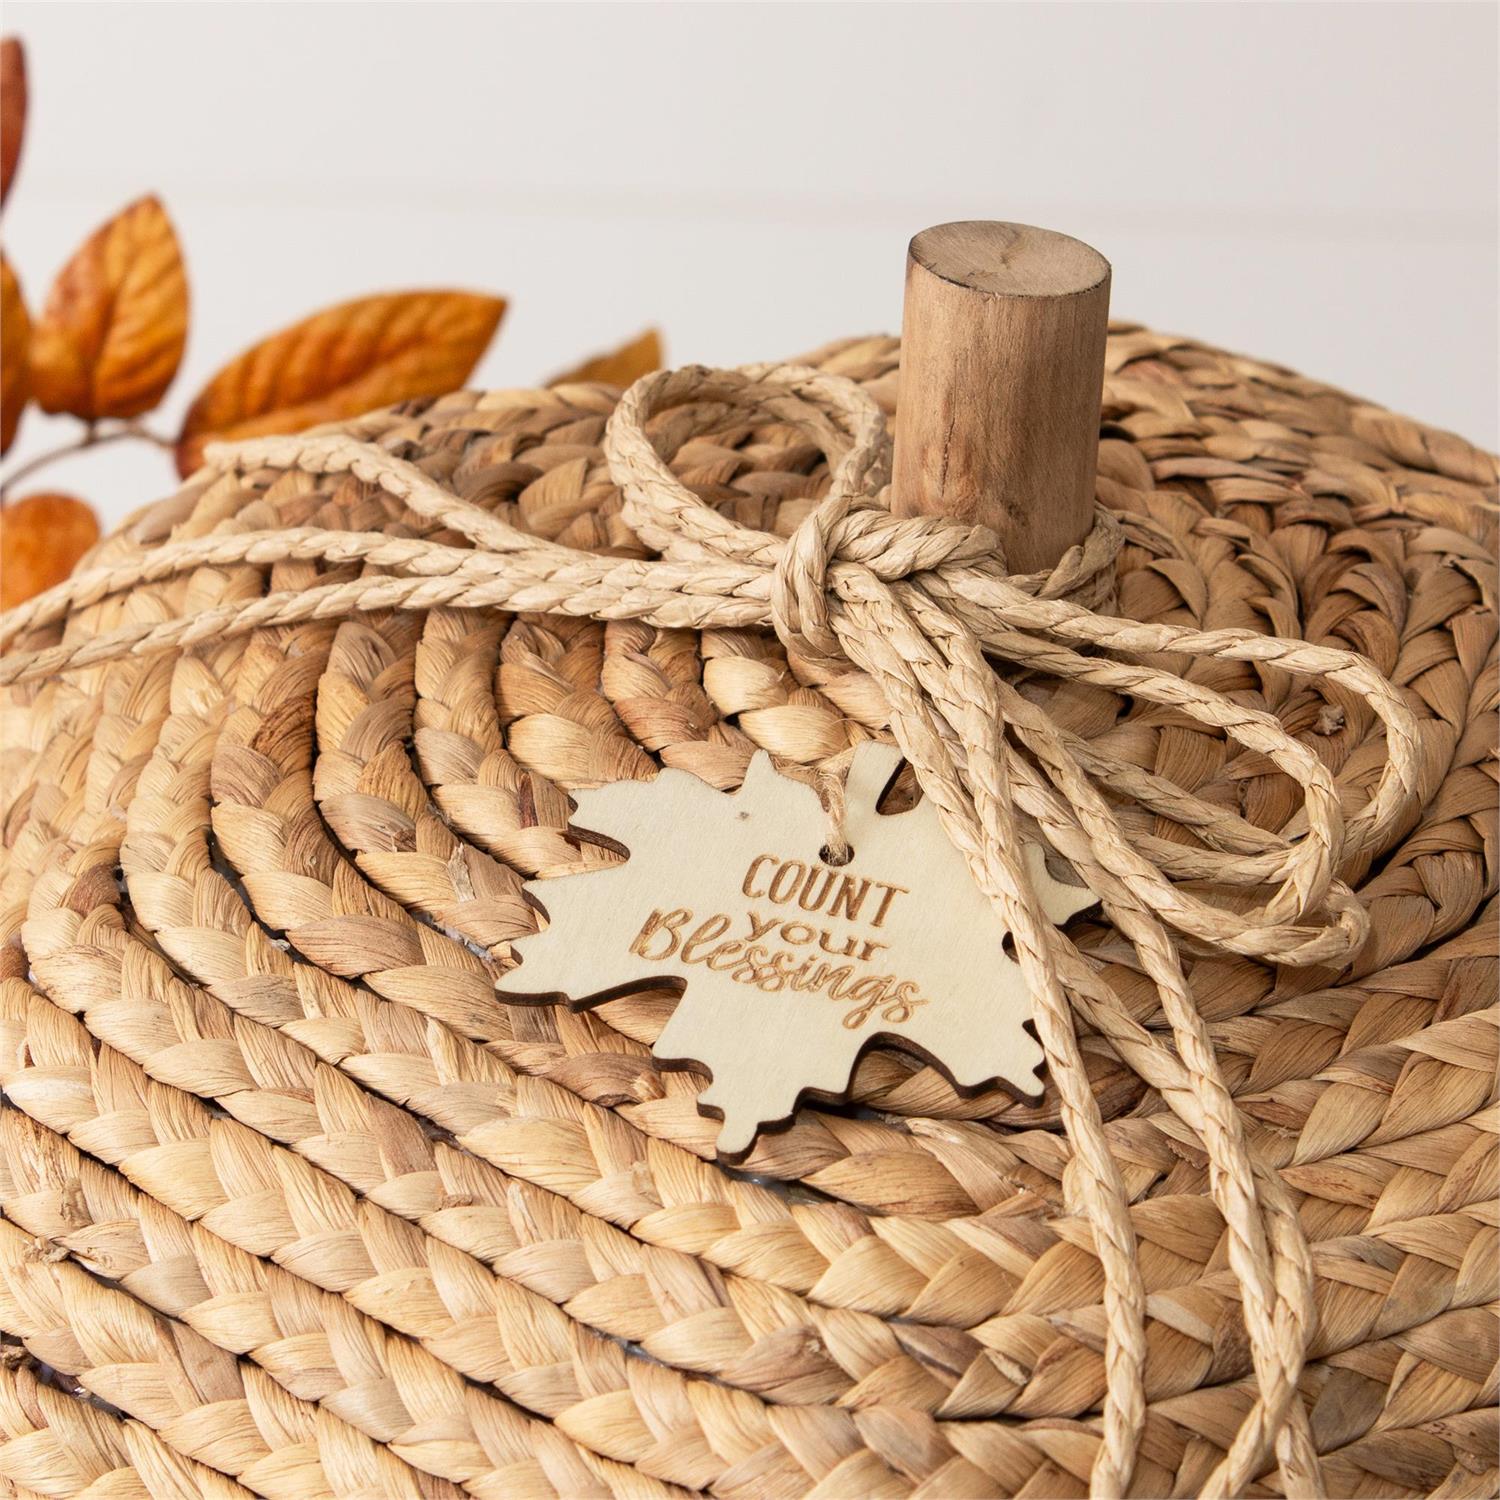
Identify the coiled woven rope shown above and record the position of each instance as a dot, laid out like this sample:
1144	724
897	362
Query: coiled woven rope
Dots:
388	929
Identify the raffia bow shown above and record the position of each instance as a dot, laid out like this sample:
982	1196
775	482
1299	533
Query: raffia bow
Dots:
926	608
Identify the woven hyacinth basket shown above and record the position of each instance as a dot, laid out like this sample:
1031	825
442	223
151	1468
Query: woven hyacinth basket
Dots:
294	1205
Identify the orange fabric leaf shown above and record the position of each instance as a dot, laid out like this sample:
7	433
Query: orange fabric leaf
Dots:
15	334
620	367
12	110
41	538
342	362
111	336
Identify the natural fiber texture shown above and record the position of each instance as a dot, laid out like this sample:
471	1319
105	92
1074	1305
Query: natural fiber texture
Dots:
54	1444
289	1080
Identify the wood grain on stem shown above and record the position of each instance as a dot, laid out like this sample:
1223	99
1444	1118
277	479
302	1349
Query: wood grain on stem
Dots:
1001	372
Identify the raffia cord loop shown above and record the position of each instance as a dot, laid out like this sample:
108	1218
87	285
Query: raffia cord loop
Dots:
926	608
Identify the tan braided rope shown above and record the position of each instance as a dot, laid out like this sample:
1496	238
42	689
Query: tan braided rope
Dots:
53	1446
1100	1013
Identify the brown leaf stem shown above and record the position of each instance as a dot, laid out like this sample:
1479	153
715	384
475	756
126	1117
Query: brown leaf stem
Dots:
94	435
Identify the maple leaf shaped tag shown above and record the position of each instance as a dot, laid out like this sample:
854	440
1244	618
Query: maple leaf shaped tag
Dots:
789	967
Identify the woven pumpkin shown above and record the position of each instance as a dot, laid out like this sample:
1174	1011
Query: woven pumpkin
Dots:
295	1205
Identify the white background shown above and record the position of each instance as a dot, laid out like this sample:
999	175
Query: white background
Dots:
1312	183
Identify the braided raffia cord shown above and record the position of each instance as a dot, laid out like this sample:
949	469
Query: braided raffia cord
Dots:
284	1074
54	1444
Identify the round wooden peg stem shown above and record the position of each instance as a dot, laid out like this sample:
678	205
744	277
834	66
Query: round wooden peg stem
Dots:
1002	361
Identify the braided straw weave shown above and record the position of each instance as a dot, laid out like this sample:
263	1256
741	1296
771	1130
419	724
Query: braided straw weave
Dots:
294	1205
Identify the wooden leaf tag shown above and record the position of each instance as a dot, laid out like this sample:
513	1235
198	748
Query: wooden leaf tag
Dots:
789	967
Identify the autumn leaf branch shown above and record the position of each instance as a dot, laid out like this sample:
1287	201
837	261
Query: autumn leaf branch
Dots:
109	341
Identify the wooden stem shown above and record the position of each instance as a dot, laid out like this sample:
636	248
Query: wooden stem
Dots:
1002	361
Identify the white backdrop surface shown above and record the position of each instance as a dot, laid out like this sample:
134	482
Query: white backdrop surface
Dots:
1312	183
